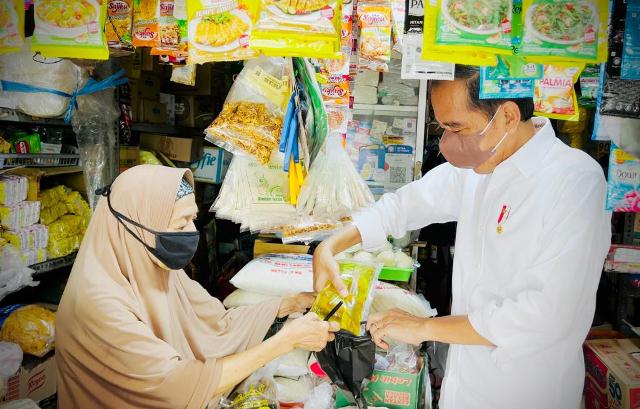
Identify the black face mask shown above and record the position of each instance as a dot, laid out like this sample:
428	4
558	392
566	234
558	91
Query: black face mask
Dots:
174	249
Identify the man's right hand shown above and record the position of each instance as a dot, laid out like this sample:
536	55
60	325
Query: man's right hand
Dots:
325	268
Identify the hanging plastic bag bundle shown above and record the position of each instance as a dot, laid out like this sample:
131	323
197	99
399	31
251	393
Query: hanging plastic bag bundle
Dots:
253	113
11	26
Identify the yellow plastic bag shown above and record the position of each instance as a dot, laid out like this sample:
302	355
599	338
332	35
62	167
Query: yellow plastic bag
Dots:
554	94
565	30
70	29
220	31
11	25
299	28
32	327
360	280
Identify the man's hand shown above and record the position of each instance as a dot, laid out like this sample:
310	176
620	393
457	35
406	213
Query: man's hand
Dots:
398	325
325	268
296	303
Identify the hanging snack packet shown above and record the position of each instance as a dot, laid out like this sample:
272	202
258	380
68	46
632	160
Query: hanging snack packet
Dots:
554	95
146	23
70	29
119	25
589	85
491	26
504	88
514	68
566	29
360	280
11	26
299	28
173	29
374	45
253	113
219	30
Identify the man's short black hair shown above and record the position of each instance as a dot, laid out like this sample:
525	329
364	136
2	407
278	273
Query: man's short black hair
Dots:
471	75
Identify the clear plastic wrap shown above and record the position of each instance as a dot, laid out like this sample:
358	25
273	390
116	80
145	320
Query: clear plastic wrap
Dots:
184	74
253	113
259	391
32	327
325	196
389	296
10	361
322	397
14	273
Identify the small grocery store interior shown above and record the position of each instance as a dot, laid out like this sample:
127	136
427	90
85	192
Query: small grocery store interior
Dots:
244	204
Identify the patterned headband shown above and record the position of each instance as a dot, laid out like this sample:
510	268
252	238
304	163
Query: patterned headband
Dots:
184	189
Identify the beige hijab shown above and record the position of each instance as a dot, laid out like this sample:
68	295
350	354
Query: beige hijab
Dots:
131	335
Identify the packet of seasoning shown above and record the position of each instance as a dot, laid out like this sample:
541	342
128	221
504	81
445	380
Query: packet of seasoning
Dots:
374	50
26	144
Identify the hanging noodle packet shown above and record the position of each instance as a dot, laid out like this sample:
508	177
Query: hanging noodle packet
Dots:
566	30
299	28
360	280
471	25
253	113
374	45
119	25
173	29
554	94
219	30
70	29
11	26
146	23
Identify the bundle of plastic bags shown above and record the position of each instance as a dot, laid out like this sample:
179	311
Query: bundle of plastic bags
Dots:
14	273
10	361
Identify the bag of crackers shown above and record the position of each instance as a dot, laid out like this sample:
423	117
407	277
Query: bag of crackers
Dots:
253	113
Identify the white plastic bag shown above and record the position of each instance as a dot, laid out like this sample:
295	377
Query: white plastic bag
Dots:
14	274
294	390
277	275
322	397
293	364
10	361
20	404
389	296
240	298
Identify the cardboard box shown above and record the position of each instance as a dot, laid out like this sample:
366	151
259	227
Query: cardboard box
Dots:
36	380
193	112
129	157
149	87
176	149
613	374
213	165
169	100
153	112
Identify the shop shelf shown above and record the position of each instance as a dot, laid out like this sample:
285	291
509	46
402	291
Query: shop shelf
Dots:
54	264
9	115
13	160
386	108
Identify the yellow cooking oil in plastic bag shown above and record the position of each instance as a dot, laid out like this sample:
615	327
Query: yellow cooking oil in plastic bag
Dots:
70	29
360	280
554	94
32	327
11	25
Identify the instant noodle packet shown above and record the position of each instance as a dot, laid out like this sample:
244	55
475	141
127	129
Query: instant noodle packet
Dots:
70	29
220	30
146	23
554	94
173	29
299	28
374	44
565	30
479	25
11	26
119	25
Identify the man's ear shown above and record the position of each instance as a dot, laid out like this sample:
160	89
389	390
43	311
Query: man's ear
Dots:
512	115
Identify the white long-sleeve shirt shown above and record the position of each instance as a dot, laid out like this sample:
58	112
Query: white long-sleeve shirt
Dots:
527	282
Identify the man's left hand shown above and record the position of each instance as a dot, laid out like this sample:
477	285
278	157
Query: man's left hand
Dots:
398	325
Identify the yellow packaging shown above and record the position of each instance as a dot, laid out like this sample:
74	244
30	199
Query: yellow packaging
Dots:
299	28
448	53
11	26
374	45
32	327
554	94
219	29
146	23
70	29
173	29
119	23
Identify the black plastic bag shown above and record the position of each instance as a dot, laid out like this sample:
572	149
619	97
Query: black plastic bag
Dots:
348	361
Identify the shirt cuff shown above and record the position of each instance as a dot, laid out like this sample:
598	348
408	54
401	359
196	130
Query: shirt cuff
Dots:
479	320
370	227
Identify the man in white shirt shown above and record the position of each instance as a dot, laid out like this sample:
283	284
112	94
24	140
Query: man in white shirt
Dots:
532	236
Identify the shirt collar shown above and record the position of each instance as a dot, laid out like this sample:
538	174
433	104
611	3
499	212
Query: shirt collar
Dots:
528	158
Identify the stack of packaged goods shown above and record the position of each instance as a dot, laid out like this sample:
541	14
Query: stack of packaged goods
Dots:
67	216
19	220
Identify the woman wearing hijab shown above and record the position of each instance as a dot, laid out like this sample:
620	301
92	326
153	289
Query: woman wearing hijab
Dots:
134	331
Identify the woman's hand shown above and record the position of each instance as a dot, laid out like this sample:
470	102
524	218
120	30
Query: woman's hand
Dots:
308	333
325	268
398	325
296	303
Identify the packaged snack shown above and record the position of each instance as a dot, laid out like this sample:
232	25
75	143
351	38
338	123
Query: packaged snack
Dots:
276	275
623	193
259	391
219	30
589	85
469	25
299	28
13	189
70	29
28	238
374	50
514	68
504	88
146	22
19	215
360	280
26	143
252	115
119	25
554	95
565	29
31	326
173	29
11	26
